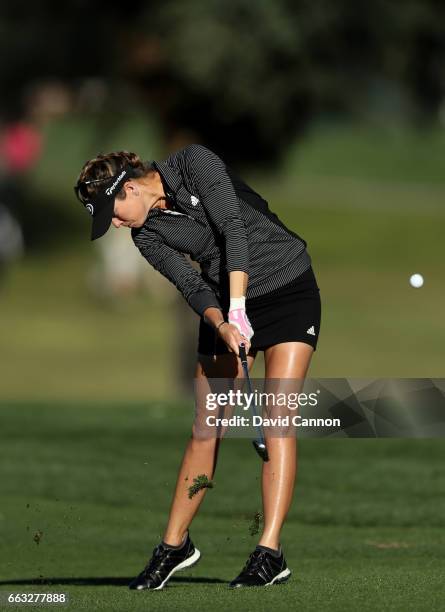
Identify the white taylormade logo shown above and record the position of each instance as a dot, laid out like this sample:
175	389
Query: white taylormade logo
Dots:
110	190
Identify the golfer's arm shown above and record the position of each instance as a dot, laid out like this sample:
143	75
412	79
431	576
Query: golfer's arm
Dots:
238	283
238	287
213	316
220	201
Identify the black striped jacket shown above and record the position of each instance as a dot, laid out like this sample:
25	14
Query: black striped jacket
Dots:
224	225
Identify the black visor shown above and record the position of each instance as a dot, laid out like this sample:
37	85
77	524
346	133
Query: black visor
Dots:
101	205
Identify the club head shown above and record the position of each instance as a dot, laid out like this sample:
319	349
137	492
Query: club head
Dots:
261	449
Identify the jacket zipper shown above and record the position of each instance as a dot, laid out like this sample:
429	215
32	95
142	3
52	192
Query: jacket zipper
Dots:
166	212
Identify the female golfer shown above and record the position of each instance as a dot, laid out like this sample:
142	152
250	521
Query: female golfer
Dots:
256	286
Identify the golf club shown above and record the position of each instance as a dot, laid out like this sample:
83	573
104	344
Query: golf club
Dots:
259	443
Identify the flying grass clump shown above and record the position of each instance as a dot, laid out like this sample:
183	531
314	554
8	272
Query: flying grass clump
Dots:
38	536
199	483
255	525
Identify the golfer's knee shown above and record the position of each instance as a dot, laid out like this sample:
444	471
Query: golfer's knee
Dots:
202	439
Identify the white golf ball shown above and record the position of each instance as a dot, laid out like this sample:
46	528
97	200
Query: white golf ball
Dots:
416	280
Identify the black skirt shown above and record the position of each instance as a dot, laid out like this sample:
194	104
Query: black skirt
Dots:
289	314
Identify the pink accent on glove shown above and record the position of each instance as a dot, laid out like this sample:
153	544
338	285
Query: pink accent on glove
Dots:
238	317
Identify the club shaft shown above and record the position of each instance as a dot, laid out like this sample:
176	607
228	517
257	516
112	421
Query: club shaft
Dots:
244	363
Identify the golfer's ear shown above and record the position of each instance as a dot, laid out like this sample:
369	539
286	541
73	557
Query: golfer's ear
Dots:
131	188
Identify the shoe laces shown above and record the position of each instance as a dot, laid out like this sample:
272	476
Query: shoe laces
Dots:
153	563
254	561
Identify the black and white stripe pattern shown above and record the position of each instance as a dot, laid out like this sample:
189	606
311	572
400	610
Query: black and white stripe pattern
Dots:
224	225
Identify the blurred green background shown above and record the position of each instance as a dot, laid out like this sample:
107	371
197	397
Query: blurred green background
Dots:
334	113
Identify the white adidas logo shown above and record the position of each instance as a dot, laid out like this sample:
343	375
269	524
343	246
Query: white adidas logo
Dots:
311	331
195	200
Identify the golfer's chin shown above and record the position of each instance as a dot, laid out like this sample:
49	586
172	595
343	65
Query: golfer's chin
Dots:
136	224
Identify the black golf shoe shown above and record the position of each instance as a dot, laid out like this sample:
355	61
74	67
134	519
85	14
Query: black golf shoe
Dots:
163	564
262	569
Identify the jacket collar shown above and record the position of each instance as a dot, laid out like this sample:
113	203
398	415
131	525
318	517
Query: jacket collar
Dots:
170	177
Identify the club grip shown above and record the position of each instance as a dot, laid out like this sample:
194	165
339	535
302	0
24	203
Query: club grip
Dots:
242	352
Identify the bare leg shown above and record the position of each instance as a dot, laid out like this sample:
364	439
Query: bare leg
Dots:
285	360
201	455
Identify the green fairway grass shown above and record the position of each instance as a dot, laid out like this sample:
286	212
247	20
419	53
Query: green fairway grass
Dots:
366	529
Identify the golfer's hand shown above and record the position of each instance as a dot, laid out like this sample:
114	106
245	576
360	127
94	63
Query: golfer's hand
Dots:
239	318
232	337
